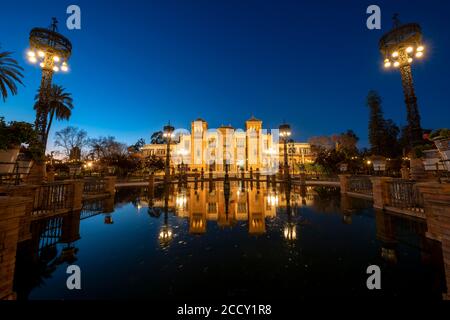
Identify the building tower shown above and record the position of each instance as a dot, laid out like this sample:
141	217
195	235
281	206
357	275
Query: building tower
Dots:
253	128
199	128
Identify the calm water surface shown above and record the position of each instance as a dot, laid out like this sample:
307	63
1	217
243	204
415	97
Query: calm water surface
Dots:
213	241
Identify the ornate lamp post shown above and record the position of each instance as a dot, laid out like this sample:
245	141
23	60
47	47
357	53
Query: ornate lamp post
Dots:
51	51
285	133
400	47
168	134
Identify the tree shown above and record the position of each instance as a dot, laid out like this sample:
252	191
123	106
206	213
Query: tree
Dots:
157	138
60	104
376	123
383	134
320	143
10	74
391	143
329	160
137	146
107	149
346	142
154	164
70	138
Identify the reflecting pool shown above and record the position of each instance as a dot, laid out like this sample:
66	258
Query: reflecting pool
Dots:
228	240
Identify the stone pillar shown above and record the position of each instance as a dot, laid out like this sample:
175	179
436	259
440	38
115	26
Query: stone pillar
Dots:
386	234
404	172
27	191
77	197
417	171
70	229
12	210
37	173
110	185
108	205
436	197
343	180
380	189
50	174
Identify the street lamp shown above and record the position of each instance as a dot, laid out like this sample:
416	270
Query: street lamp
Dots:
168	135
51	51
400	47
285	133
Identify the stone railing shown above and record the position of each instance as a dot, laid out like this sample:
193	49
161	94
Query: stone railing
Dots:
404	194
94	185
360	184
99	186
52	197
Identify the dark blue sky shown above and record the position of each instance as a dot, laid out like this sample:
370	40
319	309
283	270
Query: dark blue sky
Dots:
137	64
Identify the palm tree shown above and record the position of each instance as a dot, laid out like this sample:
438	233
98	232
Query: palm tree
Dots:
60	104
157	138
10	74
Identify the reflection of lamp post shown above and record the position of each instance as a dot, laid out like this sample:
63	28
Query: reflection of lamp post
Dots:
181	200
285	133
272	199
52	51
165	234
400	47
168	134
290	231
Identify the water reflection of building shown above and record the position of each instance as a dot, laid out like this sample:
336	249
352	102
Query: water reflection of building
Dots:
211	203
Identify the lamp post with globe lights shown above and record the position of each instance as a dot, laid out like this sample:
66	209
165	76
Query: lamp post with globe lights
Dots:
168	135
285	133
400	47
51	51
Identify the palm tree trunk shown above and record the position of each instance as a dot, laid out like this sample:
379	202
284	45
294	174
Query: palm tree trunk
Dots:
47	131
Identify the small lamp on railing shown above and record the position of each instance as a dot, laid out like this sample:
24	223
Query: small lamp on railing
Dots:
343	167
379	163
369	164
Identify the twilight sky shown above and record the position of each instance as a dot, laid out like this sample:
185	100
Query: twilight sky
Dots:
138	64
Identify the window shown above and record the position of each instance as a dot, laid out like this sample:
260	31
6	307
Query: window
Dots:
212	207
242	207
